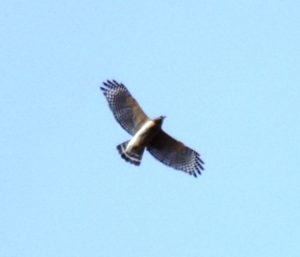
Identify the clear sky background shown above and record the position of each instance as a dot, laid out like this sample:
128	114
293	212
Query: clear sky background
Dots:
227	76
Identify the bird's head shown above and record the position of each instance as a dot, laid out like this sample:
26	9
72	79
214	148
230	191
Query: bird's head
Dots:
159	120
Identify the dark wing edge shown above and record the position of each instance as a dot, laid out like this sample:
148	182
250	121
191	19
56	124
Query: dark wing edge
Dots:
175	154
124	107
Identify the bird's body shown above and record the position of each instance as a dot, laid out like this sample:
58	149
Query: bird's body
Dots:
143	136
134	148
147	133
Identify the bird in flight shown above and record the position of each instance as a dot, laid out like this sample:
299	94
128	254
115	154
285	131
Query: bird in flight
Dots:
147	133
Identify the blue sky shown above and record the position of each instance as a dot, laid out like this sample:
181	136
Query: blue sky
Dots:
226	75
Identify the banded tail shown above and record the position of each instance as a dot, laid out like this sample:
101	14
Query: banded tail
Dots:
133	156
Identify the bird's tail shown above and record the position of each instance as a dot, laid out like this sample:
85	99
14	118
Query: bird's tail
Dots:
133	156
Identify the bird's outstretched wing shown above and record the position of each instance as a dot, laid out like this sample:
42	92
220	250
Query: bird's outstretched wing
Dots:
175	154
124	107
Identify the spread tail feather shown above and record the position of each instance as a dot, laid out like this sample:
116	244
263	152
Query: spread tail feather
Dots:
133	156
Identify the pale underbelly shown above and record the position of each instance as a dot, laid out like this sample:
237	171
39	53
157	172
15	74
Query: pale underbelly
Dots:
143	136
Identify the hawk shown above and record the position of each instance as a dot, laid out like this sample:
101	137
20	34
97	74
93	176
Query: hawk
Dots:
147	133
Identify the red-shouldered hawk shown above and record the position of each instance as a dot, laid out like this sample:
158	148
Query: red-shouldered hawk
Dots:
147	133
